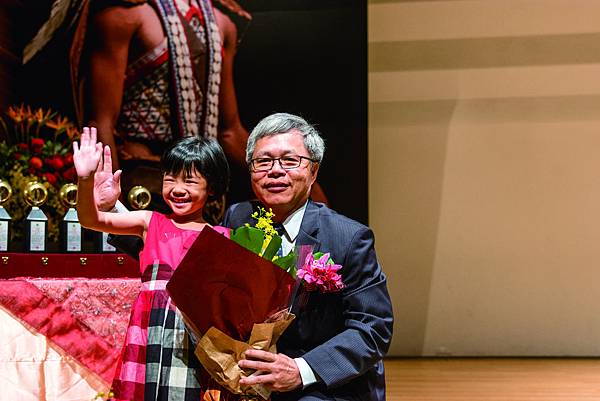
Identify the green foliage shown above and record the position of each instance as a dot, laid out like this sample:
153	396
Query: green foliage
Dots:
264	241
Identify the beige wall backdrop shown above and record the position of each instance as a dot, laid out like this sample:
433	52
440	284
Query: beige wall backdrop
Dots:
484	173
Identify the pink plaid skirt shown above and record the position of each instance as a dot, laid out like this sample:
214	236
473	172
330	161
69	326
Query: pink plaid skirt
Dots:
158	361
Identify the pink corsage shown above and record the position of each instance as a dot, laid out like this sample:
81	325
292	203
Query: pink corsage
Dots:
320	274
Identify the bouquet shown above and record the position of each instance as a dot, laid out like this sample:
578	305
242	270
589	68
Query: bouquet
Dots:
36	147
246	291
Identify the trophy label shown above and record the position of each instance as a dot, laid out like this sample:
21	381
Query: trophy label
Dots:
106	247
73	237
3	236
37	238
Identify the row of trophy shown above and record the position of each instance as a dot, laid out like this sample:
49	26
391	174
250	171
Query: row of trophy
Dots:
71	235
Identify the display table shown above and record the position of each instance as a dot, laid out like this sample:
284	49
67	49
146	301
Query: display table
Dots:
63	319
61	265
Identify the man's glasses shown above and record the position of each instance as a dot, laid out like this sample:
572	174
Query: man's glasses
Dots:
262	164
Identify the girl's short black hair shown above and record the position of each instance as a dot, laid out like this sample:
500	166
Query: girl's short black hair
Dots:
202	155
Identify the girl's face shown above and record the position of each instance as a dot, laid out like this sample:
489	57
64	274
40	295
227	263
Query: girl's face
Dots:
185	194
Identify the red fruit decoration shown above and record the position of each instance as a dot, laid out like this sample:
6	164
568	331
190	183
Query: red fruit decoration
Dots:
56	162
68	159
36	163
69	174
51	178
37	142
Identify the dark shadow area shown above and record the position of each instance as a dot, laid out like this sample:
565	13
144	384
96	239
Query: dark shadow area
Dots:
305	57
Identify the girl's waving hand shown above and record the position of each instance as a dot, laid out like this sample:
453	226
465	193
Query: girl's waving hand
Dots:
87	156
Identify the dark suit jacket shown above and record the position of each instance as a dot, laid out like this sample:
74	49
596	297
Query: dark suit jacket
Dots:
343	336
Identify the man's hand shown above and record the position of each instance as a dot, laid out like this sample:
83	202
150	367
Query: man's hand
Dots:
107	186
277	372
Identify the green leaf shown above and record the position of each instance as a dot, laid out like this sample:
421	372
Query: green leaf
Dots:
272	247
317	255
249	237
287	263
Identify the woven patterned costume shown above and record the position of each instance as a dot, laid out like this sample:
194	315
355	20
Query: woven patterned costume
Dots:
201	29
193	78
173	91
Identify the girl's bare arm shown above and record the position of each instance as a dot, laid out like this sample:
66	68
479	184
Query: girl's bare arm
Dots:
86	157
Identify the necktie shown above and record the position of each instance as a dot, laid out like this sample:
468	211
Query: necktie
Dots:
279	228
281	231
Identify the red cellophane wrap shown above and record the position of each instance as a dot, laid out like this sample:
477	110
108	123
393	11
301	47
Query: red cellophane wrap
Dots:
221	285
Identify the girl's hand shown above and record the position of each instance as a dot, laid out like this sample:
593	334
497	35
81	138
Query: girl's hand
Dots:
87	157
107	186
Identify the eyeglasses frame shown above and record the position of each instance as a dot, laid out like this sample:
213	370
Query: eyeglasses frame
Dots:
278	159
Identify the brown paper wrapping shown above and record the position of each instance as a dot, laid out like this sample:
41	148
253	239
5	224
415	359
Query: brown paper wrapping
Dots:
220	354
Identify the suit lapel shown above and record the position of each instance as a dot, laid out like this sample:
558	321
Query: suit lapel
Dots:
309	227
306	236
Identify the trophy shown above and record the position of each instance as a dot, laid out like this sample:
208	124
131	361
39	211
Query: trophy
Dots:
102	245
139	197
5	219
69	226
35	195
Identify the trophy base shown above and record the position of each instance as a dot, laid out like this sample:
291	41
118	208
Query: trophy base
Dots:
51	247
88	245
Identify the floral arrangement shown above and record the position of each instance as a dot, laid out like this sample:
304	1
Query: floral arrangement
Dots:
318	271
263	240
36	146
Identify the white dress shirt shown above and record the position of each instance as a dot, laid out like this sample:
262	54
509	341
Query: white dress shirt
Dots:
291	226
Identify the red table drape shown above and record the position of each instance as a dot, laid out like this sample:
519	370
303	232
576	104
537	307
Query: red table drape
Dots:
63	318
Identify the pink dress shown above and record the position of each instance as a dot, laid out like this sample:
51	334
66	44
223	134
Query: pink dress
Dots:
158	361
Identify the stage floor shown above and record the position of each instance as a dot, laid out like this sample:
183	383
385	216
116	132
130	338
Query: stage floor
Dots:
493	379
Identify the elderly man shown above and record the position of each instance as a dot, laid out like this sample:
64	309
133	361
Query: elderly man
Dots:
334	348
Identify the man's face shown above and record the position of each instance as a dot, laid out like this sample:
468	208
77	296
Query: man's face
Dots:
282	190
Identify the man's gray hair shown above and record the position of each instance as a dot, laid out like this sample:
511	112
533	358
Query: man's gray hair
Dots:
282	123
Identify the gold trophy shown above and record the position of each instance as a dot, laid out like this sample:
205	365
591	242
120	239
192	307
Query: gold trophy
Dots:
5	219
139	197
35	195
70	227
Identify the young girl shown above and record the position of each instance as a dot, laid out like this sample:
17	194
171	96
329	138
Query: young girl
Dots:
158	362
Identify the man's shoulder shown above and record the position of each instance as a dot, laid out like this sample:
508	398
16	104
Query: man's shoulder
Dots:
328	214
328	219
341	225
241	207
238	213
118	19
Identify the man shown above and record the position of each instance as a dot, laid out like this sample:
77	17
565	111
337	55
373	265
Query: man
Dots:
334	348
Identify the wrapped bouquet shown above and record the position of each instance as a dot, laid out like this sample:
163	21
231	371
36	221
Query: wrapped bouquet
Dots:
236	293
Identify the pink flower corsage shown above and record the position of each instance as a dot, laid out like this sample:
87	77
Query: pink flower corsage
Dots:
320	274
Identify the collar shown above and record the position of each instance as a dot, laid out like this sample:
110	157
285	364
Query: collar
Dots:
293	222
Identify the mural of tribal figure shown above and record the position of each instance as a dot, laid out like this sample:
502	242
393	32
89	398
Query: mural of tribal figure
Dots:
146	73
